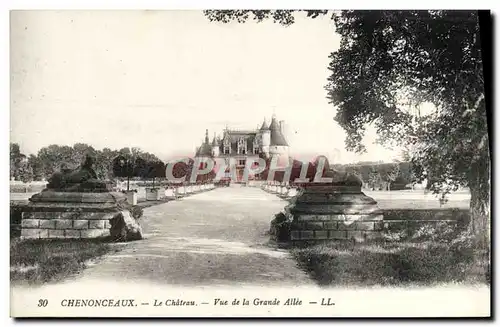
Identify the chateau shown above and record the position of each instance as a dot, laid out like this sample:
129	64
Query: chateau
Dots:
266	142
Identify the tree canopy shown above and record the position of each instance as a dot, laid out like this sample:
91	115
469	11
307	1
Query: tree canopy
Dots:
53	157
390	62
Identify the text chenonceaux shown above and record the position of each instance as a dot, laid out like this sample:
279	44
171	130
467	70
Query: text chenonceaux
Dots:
227	168
98	303
179	302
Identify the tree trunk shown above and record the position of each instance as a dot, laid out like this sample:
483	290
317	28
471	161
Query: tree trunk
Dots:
479	185
128	183
479	225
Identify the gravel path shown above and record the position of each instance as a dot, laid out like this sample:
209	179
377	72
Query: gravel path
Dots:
213	238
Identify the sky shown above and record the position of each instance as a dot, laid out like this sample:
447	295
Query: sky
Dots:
158	79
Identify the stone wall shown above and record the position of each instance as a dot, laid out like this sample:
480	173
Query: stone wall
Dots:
335	227
73	225
344	214
361	231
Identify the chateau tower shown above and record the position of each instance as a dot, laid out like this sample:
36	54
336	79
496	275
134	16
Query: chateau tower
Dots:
265	133
278	146
206	137
215	147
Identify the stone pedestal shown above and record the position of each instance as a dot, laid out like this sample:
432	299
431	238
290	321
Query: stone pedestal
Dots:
181	190
52	214
170	193
153	194
131	198
328	212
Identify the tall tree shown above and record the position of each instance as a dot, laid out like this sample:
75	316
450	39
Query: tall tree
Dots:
374	178
387	64
20	166
16	158
128	166
36	167
392	175
53	156
80	150
153	169
432	56
25	171
104	163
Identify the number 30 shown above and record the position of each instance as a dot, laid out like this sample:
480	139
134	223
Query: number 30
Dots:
42	303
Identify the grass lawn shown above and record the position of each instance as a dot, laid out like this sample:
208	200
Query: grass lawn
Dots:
412	254
418	200
427	259
42	261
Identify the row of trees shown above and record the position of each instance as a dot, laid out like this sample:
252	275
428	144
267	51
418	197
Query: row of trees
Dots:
379	176
384	175
124	163
130	166
55	157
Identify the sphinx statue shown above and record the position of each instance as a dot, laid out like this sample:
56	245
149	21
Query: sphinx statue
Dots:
339	178
81	205
81	179
335	209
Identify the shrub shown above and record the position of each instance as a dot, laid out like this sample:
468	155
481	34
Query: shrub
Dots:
280	228
132	190
15	220
136	212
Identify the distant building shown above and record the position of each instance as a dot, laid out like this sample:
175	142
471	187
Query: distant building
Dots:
266	142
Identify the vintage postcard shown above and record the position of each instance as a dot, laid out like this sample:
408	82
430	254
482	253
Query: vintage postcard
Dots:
250	163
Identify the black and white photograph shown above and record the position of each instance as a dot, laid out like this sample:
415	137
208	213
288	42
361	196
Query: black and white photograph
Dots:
250	163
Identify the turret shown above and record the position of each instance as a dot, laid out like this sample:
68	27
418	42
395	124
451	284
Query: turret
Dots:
206	137
279	145
264	125
266	137
215	147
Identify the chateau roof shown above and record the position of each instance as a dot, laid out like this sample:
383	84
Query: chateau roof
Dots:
234	136
264	125
277	137
204	150
241	132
